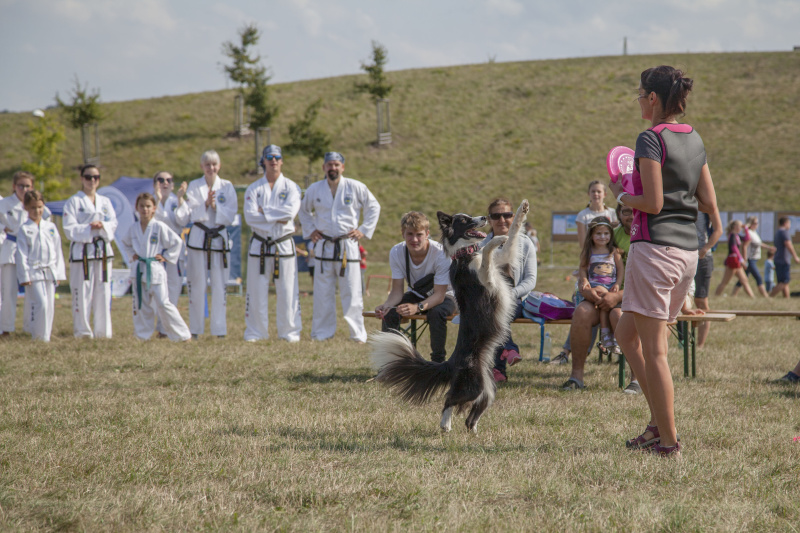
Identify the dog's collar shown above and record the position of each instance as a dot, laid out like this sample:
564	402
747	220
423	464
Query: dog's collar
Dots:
463	252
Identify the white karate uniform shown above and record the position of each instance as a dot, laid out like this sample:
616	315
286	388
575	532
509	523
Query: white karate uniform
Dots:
280	202
334	217
194	210
91	295
150	297
166	213
12	216
40	262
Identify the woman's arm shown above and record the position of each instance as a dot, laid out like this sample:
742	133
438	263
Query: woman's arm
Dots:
651	200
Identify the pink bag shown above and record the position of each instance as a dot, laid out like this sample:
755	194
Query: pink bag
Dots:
547	306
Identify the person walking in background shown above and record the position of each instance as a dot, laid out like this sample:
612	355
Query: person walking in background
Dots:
90	223
736	260
753	243
784	253
39	266
150	244
769	270
671	184
166	204
12	216
329	214
271	204
210	204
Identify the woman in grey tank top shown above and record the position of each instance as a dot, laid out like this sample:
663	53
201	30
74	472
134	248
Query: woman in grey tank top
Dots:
671	183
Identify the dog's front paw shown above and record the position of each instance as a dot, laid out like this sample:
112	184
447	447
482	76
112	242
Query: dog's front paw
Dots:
524	207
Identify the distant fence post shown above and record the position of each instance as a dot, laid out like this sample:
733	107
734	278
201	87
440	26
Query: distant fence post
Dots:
89	156
384	123
257	136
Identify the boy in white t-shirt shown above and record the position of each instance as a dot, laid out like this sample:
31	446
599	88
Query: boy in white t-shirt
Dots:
423	264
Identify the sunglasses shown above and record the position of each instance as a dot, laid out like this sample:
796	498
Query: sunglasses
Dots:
498	216
626	212
163	180
96	177
271	157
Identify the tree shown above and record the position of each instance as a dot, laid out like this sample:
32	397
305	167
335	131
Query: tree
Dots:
44	143
307	138
377	85
250	75
85	107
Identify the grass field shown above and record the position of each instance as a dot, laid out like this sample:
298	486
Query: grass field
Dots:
225	435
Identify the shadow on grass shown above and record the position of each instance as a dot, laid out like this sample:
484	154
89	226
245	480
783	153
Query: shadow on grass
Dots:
320	440
337	376
792	394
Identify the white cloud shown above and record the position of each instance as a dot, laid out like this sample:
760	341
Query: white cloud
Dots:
506	7
310	16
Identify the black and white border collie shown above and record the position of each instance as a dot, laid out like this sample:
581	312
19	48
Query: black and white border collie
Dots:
480	280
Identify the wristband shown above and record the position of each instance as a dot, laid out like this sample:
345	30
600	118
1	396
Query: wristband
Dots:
619	197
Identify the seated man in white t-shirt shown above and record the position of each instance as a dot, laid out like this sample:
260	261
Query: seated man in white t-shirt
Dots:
423	264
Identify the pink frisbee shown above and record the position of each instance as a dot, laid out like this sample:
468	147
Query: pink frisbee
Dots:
620	161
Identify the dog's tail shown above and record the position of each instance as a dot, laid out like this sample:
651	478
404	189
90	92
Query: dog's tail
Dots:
402	368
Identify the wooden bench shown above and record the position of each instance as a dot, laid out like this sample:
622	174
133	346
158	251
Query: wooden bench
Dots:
413	331
790	314
683	321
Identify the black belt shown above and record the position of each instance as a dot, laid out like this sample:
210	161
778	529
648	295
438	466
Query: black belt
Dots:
11	238
266	244
210	235
85	259
338	254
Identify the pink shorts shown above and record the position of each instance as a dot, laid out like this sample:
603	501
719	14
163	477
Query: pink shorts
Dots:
657	280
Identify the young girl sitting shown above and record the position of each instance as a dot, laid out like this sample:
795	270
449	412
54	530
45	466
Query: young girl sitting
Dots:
40	266
601	271
150	243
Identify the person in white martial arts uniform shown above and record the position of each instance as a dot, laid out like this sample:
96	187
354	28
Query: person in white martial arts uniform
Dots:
39	266
12	216
270	205
166	203
89	223
151	244
329	214
210	204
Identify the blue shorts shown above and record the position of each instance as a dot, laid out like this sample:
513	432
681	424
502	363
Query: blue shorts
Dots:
782	272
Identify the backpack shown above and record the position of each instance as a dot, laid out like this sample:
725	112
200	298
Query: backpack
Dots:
547	306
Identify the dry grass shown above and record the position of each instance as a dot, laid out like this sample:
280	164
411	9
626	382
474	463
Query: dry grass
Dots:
227	435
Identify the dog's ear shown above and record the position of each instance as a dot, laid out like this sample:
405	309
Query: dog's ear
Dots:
445	220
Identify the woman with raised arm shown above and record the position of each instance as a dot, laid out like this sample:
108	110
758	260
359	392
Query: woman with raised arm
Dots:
671	184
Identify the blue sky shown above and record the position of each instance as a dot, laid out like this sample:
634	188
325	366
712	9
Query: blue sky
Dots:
147	48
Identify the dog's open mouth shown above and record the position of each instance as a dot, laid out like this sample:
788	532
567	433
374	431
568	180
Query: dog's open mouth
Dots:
475	234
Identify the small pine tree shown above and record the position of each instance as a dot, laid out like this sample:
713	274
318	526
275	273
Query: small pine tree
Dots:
307	138
85	107
46	136
377	86
251	77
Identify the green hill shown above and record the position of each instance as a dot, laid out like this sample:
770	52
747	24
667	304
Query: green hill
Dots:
462	135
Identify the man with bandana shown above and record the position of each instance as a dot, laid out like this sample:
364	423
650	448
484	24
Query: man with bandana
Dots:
329	214
270	206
